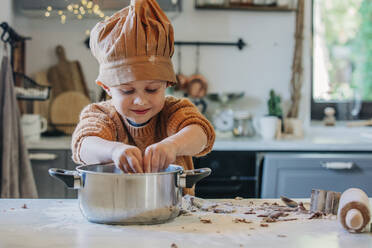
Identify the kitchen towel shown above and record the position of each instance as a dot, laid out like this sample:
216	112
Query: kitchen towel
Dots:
17	180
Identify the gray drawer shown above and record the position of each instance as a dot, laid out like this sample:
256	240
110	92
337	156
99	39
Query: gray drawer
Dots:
295	174
42	161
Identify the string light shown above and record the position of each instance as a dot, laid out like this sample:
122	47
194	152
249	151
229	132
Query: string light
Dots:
77	10
63	19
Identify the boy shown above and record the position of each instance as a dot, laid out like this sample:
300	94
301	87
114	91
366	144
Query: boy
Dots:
139	129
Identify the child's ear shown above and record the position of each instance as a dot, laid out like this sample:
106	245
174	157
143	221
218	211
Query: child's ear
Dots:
107	89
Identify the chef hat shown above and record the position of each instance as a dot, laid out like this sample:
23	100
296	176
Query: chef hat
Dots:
136	43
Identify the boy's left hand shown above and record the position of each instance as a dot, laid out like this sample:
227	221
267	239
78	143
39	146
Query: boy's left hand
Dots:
159	156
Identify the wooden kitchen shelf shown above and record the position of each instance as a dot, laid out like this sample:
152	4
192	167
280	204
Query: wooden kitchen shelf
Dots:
245	7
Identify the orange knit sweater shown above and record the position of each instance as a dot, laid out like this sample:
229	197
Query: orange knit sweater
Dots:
102	120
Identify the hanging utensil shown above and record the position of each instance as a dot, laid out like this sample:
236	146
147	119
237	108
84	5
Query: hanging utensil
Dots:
181	78
197	84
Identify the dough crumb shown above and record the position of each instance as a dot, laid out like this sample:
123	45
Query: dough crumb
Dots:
173	245
206	221
250	212
282	236
264	225
269	220
289	219
316	215
237	220
24	206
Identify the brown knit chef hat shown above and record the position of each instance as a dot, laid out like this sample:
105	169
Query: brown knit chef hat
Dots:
136	43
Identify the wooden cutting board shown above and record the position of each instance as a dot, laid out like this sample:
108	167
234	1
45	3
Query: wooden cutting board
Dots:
65	110
66	75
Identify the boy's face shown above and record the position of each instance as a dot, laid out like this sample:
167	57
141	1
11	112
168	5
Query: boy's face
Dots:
138	101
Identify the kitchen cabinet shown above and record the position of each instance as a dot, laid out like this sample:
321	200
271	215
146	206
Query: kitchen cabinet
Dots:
41	162
295	174
234	173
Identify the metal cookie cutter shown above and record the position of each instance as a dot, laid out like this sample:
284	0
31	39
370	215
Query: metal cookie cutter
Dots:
324	201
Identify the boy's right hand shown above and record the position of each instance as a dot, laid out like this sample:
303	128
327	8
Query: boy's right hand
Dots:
128	158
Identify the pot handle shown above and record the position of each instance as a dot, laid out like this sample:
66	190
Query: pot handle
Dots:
188	178
72	179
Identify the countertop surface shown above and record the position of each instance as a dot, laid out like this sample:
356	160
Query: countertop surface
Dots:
317	138
59	223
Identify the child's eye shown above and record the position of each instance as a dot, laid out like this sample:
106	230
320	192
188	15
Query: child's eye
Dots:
151	90
127	92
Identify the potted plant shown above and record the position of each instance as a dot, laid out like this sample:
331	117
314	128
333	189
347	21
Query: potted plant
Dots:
289	128
273	105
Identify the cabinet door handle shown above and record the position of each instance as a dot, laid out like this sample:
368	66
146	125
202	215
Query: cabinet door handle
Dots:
43	156
337	165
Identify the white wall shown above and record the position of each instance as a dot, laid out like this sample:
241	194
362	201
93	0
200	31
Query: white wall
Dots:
264	64
6	15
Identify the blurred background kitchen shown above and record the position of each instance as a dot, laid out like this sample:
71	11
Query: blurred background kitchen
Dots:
286	84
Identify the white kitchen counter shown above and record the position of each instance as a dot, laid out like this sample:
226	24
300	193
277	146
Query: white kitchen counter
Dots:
317	138
59	223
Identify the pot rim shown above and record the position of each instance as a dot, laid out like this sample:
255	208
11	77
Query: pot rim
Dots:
177	169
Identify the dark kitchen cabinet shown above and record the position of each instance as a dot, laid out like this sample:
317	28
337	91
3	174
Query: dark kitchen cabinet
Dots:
41	162
234	173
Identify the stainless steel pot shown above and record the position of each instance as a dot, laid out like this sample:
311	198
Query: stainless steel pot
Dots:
109	196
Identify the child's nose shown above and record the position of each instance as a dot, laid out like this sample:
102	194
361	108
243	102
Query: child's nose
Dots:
139	100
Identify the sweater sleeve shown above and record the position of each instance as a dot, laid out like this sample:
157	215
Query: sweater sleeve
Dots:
95	120
182	113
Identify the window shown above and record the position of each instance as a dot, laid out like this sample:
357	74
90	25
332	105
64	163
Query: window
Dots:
342	58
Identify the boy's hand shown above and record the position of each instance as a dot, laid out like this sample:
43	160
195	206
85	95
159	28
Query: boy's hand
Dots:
159	156
128	158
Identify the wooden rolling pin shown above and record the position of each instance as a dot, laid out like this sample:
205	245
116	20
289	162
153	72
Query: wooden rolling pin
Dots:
353	211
